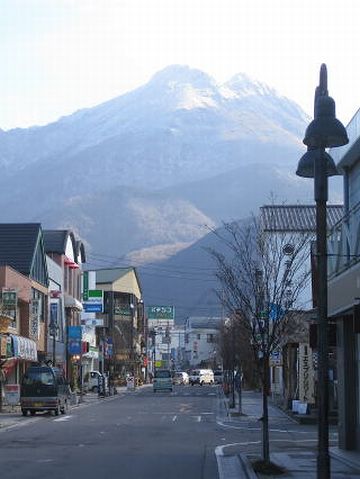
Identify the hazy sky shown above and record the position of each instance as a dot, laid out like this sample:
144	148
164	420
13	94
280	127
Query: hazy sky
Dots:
58	56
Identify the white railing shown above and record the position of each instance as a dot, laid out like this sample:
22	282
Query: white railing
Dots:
344	243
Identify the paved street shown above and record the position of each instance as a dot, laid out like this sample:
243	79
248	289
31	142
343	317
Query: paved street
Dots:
138	434
132	435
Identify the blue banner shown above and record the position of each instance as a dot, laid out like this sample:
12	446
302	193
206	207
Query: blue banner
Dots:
74	339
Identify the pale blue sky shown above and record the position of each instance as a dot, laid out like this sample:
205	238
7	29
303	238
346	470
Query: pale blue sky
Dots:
58	56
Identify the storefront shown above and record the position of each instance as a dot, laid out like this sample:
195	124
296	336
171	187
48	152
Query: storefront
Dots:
17	353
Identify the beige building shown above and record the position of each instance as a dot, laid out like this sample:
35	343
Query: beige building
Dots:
122	339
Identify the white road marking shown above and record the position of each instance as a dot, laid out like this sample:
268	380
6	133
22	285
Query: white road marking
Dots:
254	428
44	460
62	419
198	418
174	418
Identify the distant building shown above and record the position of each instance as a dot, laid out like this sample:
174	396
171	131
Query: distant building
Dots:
122	340
200	343
161	346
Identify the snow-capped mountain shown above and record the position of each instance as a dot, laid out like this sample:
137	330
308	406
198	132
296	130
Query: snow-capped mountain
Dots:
149	168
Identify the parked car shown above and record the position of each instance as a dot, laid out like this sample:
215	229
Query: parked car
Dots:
201	376
44	388
162	380
92	381
181	377
218	377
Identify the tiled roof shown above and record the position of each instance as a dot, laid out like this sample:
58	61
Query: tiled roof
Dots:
18	245
296	218
110	275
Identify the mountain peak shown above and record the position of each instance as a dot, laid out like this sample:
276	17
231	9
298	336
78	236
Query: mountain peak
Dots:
183	74
244	85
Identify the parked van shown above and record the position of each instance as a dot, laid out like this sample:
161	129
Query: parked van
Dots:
44	388
162	380
92	381
201	376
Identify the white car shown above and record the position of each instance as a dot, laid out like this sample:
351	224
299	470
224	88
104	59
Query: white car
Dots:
201	376
182	377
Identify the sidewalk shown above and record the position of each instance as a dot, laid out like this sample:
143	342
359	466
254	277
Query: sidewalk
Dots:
298	463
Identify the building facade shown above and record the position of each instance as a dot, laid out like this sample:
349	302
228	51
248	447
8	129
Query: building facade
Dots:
68	253
24	285
344	289
122	339
293	367
201	346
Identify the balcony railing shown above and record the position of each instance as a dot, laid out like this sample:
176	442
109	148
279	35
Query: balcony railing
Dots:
344	243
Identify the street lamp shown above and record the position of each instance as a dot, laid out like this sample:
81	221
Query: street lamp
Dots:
324	131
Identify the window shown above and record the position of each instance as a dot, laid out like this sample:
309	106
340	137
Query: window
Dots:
162	374
210	338
198	336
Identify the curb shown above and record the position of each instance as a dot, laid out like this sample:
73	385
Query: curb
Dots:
247	467
336	454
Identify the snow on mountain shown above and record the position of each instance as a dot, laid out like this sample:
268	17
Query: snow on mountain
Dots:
180	132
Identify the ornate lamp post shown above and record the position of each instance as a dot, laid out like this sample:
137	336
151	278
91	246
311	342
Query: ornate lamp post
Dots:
323	132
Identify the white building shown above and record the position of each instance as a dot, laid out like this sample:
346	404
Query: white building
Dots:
201	346
344	289
291	367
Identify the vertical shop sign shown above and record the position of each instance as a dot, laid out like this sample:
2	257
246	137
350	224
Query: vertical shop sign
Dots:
85	286
74	340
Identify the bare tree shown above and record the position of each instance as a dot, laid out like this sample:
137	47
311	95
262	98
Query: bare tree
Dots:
262	278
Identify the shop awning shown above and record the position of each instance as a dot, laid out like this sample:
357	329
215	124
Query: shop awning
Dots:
72	303
24	348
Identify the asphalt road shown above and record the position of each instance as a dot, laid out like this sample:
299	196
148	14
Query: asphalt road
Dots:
139	434
135	435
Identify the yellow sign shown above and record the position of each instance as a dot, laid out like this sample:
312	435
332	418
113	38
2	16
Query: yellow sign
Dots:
158	364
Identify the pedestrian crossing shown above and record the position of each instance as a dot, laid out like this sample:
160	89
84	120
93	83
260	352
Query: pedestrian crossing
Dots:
188	418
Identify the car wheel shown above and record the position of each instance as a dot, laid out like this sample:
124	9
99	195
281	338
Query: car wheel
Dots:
57	410
95	389
24	412
32	413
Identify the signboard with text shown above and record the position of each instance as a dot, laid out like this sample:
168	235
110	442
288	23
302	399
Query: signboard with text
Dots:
12	394
74	339
161	312
94	302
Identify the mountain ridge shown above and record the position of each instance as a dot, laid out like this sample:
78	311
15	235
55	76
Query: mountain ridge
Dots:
144	172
